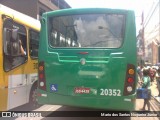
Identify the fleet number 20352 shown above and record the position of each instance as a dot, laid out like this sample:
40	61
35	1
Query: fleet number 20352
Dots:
110	92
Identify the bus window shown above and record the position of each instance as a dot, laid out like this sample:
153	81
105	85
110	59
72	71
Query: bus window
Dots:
12	61
34	43
95	30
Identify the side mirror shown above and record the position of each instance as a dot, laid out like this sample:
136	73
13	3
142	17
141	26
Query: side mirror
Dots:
6	39
11	42
14	35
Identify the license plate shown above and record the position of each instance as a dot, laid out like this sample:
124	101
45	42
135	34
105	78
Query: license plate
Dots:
81	90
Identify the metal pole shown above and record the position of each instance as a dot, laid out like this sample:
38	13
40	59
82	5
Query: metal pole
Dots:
159	35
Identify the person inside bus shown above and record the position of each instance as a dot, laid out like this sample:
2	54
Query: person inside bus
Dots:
21	58
146	84
23	52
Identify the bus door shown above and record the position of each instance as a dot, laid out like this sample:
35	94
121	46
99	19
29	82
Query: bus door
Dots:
14	37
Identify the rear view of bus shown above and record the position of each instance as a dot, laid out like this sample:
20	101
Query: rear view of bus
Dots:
87	58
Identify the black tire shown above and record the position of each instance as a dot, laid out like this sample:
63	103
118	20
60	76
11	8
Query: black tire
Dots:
33	101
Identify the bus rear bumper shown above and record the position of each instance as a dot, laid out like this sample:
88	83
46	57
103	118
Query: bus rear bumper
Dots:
124	103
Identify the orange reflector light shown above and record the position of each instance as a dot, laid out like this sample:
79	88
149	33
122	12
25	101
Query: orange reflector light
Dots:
40	68
130	80
131	71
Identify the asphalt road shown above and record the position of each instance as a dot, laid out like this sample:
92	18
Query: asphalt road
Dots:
50	108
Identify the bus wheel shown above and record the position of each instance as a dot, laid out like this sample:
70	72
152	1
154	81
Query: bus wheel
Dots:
33	101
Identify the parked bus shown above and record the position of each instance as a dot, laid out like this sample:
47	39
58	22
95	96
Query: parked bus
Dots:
18	72
87	58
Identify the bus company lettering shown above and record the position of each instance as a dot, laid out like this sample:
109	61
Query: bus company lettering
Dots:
81	90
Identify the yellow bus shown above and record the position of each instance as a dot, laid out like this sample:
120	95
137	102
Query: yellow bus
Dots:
18	72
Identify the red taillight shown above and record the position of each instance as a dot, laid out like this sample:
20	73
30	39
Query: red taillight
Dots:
41	76
130	81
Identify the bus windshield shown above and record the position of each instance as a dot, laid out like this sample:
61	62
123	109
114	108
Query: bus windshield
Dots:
87	30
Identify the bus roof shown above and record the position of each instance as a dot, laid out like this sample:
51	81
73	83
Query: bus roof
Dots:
20	17
86	10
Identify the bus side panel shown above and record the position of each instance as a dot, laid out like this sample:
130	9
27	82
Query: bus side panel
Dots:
20	81
3	97
130	39
3	83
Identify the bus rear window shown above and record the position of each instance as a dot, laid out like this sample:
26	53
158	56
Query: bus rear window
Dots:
87	30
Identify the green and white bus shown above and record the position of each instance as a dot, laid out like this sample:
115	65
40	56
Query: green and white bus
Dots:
87	58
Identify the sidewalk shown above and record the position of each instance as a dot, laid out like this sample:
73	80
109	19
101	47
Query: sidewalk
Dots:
155	105
154	91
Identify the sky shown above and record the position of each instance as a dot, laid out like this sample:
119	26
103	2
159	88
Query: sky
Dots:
137	5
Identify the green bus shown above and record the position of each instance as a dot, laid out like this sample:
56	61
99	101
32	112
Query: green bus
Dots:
87	58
